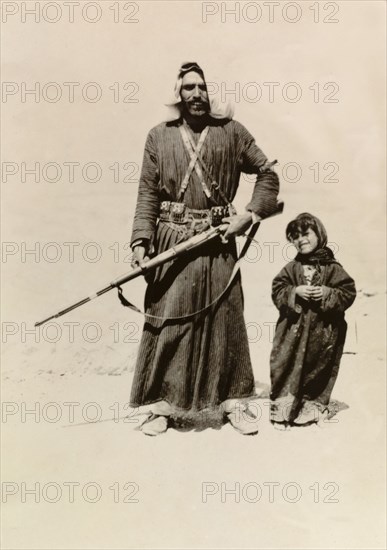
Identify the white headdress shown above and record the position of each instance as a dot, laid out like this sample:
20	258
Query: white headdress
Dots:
218	109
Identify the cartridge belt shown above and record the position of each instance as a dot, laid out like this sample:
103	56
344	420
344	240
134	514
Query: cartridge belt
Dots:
179	213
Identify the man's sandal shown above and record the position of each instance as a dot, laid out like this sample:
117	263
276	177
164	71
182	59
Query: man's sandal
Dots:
155	424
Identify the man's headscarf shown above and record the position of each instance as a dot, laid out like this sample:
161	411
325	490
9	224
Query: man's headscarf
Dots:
217	110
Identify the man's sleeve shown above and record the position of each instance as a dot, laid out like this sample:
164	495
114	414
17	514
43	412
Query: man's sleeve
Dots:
263	202
147	208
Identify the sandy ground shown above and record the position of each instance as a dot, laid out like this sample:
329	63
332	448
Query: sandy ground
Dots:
179	491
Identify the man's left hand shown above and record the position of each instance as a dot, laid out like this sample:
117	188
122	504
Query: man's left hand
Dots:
237	225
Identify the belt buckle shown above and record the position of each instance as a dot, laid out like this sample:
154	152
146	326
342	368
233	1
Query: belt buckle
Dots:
217	214
165	207
178	212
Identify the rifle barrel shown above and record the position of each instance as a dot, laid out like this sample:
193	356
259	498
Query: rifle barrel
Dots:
74	306
160	259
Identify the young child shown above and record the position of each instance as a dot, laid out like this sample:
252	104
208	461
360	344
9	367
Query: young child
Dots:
311	292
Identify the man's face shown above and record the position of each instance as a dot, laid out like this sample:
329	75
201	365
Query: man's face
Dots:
194	94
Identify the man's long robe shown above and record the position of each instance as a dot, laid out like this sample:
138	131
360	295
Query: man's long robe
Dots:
203	360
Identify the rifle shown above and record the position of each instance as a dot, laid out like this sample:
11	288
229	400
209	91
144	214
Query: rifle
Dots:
172	253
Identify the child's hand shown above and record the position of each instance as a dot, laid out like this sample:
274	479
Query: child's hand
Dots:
304	291
316	293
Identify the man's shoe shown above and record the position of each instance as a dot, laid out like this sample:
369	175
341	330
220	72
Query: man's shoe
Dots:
308	415
155	425
243	420
281	426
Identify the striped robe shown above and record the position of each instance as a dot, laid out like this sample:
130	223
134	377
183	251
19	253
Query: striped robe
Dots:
201	361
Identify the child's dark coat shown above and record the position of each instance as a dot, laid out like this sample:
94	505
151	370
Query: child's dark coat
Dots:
309	337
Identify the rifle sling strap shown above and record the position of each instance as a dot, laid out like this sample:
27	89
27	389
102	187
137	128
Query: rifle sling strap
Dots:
126	302
237	265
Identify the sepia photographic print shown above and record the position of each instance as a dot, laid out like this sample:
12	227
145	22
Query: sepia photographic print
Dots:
193	274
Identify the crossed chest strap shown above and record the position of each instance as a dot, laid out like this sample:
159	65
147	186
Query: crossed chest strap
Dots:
194	152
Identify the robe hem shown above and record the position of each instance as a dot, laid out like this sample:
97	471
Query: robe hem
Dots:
175	410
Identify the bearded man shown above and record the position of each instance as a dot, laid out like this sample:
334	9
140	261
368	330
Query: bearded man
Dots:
194	352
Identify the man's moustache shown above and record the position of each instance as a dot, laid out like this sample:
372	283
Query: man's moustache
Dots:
199	103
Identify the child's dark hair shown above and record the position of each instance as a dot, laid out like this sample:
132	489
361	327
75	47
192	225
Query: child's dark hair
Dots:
303	222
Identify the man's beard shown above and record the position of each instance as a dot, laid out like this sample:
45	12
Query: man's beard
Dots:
197	107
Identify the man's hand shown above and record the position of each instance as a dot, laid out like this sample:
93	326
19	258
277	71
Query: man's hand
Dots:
139	256
237	225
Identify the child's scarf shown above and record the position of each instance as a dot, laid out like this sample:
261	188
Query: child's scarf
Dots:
322	255
319	256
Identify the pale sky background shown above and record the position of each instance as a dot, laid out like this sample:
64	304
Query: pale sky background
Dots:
349	133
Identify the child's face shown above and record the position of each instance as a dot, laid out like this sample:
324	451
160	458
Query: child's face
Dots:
305	241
